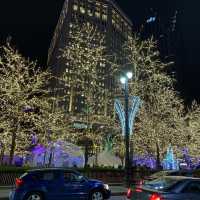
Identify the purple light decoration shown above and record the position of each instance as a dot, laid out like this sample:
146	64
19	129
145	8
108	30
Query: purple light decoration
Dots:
63	154
34	139
39	149
145	161
187	158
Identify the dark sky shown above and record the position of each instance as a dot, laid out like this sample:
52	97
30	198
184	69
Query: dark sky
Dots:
31	23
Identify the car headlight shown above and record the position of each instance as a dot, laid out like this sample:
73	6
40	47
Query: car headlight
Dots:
106	186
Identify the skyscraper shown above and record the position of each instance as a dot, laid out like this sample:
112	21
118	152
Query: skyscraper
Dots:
164	32
104	14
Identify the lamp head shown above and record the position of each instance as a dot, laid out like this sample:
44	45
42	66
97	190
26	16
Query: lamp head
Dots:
129	75
123	80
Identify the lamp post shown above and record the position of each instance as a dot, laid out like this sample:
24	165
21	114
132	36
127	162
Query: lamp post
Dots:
124	81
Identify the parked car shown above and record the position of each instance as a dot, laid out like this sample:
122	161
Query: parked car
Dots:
58	184
170	173
167	188
188	173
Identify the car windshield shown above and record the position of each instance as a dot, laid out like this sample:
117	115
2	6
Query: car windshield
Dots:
158	174
161	183
23	175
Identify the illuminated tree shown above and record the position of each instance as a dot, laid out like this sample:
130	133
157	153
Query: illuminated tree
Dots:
161	112
25	104
88	68
191	130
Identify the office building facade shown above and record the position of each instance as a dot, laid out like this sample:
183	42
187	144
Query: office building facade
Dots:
110	20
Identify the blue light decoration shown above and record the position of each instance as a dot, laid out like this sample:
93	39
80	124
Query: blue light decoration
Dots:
133	110
151	19
120	111
169	162
135	104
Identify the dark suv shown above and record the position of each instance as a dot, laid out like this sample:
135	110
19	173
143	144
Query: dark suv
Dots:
58	184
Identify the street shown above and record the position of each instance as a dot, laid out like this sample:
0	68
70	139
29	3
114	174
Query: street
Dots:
118	198
4	195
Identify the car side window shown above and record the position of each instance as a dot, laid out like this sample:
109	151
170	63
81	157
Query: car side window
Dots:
193	187
71	177
48	176
67	176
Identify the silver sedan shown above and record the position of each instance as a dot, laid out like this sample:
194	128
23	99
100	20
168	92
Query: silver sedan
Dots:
167	188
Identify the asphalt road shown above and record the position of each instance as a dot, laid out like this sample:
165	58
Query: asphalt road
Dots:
118	198
112	198
4	195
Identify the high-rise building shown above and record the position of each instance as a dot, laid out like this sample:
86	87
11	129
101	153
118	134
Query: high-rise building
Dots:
163	29
104	14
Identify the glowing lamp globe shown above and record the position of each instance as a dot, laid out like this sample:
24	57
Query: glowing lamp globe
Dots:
129	75
123	80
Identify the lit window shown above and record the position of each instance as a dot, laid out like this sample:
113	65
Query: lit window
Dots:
105	7
75	7
90	13
102	64
104	17
98	4
97	14
82	10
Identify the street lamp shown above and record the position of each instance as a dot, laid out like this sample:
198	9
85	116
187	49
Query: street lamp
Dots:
124	81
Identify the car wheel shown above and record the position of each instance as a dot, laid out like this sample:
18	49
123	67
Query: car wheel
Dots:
96	195
34	196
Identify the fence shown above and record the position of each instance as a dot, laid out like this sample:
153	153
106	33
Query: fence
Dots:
106	175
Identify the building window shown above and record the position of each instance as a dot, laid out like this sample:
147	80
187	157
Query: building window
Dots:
90	12
75	7
113	22
82	10
97	14
104	17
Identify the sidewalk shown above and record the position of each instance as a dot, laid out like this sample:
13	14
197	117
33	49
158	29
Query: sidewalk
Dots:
116	189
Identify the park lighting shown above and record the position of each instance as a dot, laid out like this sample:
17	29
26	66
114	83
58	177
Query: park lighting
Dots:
125	78
129	75
124	81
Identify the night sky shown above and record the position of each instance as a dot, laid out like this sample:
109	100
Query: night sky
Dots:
31	23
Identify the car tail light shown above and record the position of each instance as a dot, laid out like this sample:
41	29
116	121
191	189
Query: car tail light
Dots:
19	182
155	197
129	193
138	190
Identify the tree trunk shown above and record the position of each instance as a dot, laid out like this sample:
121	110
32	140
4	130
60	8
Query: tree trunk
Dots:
158	165
86	155
71	100
2	154
122	160
50	157
44	161
106	105
12	149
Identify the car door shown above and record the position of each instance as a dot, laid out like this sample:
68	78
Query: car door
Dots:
191	191
75	186
50	181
